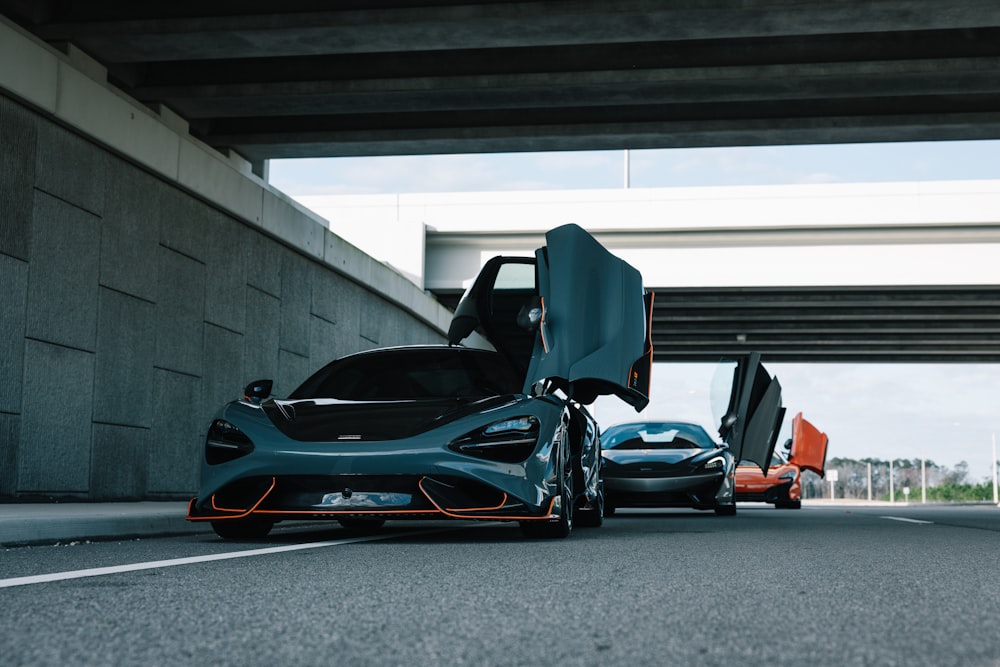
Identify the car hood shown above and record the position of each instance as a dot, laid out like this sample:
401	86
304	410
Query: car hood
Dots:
626	457
332	420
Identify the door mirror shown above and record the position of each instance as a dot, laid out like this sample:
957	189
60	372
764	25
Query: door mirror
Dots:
728	422
257	391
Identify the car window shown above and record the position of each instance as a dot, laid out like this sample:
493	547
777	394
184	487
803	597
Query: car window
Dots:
413	374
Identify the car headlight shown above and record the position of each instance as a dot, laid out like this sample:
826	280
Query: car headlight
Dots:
715	463
508	441
225	442
791	474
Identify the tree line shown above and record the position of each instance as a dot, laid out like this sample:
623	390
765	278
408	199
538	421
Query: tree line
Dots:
944	484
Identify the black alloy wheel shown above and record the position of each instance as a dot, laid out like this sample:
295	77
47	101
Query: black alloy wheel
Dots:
726	510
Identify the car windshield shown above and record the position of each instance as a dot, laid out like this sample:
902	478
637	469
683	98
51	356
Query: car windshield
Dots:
413	373
656	435
776	460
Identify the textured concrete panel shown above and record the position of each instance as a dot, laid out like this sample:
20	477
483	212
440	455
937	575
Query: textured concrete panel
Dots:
118	469
56	429
223	380
296	301
10	444
182	223
126	342
130	230
348	315
218	179
260	342
18	136
328	293
14	278
323	342
177	435
180	307
373	320
293	370
62	279
71	168
263	263
287	220
225	272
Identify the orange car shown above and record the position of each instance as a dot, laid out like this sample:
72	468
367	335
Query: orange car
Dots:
780	485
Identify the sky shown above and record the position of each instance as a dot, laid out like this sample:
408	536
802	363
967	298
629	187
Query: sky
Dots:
945	412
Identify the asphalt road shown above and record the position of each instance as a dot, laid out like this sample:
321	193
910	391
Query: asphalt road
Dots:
905	586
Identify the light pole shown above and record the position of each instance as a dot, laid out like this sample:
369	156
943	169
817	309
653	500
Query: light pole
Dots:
995	500
869	481
923	479
892	485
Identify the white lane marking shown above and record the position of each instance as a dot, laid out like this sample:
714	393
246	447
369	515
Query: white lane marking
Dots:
191	560
900	518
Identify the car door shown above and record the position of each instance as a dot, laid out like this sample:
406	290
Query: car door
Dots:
749	421
809	446
584	327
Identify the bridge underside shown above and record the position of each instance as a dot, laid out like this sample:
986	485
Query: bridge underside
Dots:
918	324
834	324
309	78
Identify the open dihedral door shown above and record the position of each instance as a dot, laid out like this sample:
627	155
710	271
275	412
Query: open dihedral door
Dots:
809	446
596	321
574	318
750	423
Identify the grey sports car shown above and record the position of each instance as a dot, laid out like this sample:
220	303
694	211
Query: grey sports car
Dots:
447	431
677	464
665	464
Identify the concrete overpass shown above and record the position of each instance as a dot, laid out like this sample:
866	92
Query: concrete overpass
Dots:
902	272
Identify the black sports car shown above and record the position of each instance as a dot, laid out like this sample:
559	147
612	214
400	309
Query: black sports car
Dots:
447	431
664	464
677	464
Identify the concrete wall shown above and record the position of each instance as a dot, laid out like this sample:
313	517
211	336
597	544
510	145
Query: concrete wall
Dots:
132	310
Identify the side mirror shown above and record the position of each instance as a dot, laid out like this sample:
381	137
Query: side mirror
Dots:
728	422
529	317
257	391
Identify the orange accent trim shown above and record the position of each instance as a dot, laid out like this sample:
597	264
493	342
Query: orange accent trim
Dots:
541	326
495	517
240	513
449	512
333	512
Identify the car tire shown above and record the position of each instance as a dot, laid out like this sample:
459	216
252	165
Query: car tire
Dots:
362	525
242	529
788	504
726	510
593	516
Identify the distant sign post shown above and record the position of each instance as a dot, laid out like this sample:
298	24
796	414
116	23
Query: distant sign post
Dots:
831	476
906	493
